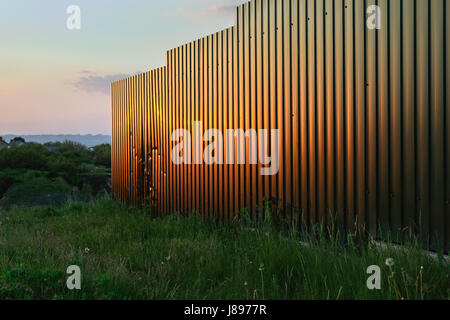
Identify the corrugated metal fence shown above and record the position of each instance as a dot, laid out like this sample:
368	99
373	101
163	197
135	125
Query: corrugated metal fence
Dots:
363	116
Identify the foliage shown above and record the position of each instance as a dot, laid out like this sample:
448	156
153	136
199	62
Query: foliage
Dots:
29	156
5	183
102	155
67	163
18	139
36	191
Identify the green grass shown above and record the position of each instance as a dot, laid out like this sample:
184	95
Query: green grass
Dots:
36	191
135	256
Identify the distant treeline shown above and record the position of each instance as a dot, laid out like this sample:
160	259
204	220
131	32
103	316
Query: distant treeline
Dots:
87	140
32	173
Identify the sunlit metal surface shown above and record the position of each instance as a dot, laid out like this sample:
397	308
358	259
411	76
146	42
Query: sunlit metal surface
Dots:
363	116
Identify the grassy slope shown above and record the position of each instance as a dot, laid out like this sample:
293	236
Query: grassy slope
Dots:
134	256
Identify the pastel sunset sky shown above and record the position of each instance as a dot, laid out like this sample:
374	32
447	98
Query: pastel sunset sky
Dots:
56	81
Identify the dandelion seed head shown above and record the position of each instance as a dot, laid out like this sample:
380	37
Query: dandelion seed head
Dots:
389	262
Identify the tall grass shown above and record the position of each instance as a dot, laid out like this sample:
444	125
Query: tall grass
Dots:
133	255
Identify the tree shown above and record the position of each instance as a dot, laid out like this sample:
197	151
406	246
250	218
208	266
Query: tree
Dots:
102	155
18	139
28	156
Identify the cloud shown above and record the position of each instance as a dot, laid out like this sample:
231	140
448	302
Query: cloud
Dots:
198	9
216	10
91	82
227	10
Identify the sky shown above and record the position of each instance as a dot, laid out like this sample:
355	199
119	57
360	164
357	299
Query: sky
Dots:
56	81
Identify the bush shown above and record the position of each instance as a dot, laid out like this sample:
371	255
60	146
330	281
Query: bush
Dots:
18	140
97	179
5	183
102	155
73	151
70	162
70	146
36	192
27	156
64	167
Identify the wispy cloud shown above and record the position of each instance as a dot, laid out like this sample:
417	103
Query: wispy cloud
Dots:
199	8
92	82
224	9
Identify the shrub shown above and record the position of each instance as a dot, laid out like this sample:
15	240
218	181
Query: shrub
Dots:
18	140
27	156
5	183
36	192
102	155
68	146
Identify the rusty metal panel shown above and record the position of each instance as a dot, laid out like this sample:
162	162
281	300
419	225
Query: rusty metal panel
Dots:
312	109
177	106
295	111
202	118
264	85
246	96
225	183
189	121
383	122
185	124
252	106
329	110
303	78
273	84
229	185
360	106
409	126
166	151
362	116
371	124
339	104
395	114
447	127
437	116
423	117
319	42
287	108
279	94
215	121
240	94
210	116
194	115
349	94
259	70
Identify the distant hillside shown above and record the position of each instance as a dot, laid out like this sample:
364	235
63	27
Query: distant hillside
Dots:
88	140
